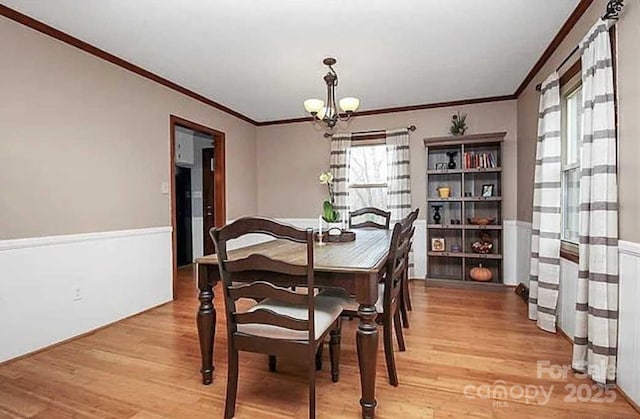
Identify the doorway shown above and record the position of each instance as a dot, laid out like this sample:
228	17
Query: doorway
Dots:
184	216
197	190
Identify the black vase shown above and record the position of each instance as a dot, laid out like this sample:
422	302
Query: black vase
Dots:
436	213
452	155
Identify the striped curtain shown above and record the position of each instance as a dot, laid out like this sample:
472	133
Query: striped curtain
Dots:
595	340
399	178
545	239
340	148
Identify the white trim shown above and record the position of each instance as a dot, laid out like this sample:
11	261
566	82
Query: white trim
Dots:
518	223
76	238
629	248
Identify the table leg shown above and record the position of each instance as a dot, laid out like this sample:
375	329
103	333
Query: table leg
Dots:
367	344
206	319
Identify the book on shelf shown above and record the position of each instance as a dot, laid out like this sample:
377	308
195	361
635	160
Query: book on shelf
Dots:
473	160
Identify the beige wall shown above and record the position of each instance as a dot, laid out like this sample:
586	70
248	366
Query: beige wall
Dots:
629	121
84	145
291	156
628	110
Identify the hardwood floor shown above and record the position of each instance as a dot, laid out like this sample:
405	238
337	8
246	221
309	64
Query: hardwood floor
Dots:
460	342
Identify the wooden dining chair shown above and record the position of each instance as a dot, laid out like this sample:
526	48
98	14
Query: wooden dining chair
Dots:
283	323
405	306
385	217
389	297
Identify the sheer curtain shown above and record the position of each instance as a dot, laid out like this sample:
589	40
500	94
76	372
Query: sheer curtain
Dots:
545	239
596	332
339	160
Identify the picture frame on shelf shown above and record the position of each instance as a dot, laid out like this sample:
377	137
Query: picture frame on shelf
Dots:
438	244
441	166
487	190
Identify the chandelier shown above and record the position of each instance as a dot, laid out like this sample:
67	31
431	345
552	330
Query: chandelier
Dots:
327	112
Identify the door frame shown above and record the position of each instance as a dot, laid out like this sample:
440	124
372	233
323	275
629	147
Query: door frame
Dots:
220	196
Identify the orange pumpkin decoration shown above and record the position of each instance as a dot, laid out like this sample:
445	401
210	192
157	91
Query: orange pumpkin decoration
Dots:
481	274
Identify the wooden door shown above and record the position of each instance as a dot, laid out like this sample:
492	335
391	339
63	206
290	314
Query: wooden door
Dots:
208	197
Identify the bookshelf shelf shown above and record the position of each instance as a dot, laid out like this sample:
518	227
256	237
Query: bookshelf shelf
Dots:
478	172
464	227
461	171
465	255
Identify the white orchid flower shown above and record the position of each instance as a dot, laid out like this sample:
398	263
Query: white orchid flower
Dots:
326	178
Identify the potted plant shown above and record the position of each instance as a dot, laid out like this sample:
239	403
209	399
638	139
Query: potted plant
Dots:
329	214
458	125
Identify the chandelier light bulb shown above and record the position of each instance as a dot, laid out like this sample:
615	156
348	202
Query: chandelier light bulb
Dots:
349	104
313	106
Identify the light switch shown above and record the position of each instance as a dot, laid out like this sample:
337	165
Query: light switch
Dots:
165	188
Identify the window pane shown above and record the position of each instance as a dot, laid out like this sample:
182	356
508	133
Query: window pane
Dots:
574	127
368	197
570	216
368	164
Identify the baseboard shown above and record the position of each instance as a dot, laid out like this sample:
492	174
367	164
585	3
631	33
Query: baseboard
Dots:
629	400
469	285
564	335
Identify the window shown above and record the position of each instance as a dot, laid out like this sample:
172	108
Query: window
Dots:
368	176
571	142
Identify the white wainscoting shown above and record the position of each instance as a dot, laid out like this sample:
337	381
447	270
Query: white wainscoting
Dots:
629	321
57	287
568	276
197	236
629	316
567	297
523	246
512	274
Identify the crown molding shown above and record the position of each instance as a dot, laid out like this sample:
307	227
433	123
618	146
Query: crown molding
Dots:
571	21
113	59
41	27
400	109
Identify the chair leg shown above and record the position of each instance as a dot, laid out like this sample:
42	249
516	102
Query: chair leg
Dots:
312	390
334	351
272	363
319	357
387	333
403	309
407	294
232	385
399	334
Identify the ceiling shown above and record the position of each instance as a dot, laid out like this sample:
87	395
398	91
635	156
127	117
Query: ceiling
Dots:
262	58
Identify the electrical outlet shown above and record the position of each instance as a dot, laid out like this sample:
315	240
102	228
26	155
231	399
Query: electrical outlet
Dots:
77	295
164	188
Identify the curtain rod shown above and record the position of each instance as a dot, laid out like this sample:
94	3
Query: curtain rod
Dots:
410	128
614	7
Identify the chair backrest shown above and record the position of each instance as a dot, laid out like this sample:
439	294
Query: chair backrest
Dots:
253	276
397	264
408	222
384	215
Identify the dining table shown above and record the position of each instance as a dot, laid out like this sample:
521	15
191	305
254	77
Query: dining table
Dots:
355	266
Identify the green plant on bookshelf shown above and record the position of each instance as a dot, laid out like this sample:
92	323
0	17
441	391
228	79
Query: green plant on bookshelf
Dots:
458	123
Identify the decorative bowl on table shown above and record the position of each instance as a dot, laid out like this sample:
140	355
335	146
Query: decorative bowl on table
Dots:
330	236
481	221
